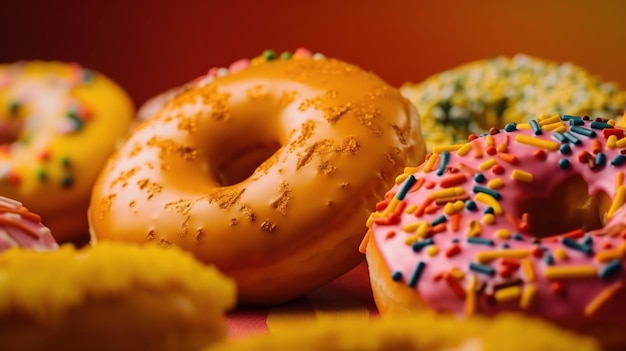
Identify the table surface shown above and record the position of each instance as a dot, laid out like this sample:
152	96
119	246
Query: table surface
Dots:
348	294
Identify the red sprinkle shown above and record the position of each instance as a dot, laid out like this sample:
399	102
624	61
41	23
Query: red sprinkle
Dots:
498	169
557	288
505	272
575	234
382	205
540	154
390	234
455	286
583	156
471	137
491	150
429	185
453	180
510	262
453	250
537	252
596	146
606	132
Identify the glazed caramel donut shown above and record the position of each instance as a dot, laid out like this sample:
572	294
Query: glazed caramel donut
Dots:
489	93
418	332
58	125
527	219
111	297
261	172
21	228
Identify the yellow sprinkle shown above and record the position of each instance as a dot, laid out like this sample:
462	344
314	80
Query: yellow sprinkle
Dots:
489	218
621	143
464	150
611	142
522	176
609	255
508	294
561	254
391	206
409	240
501	148
487	164
612	121
449	192
474	228
370	220
488	256
561	129
529	271
542	116
503	234
411	227
618	201
441	148
257	61
428	167
432	250
550	120
528	296
570	272
453	207
523	126
402	177
553	126
495	184
489	201
489	140
619	179
603	297
536	142
410	209
457	273
422	229
470	302
411	170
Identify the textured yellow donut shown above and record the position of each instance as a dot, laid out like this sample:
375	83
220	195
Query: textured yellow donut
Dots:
110	297
418	332
58	124
482	94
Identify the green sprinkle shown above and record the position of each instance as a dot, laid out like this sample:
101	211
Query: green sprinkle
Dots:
269	55
286	55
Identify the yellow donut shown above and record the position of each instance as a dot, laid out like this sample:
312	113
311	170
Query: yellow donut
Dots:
58	124
418	332
110	297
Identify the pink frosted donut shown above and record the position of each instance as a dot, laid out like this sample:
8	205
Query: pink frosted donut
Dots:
527	219
21	228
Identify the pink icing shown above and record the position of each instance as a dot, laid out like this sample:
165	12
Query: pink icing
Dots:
21	228
562	299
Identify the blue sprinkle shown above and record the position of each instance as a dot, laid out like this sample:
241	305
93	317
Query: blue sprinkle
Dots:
583	131
560	137
439	220
470	205
505	246
445	158
396	276
576	122
480	241
479	178
575	245
548	259
479	189
564	163
518	237
455	240
572	138
545	249
483	134
489	209
618	160
410	181
565	149
481	268
510	127
419	245
611	268
600	125
417	273
568	117
588	240
600	159
535	127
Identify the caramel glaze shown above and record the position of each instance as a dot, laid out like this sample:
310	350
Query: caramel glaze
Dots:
268	173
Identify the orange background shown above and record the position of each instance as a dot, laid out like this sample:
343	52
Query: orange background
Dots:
148	46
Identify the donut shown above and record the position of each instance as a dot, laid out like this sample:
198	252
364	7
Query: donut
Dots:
111	297
416	333
527	219
261	171
478	95
59	123
21	228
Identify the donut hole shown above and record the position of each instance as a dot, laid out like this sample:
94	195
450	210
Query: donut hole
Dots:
239	164
568	207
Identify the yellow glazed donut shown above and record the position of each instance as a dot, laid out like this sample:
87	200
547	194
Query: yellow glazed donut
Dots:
58	124
111	297
529	219
490	93
419	332
268	172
